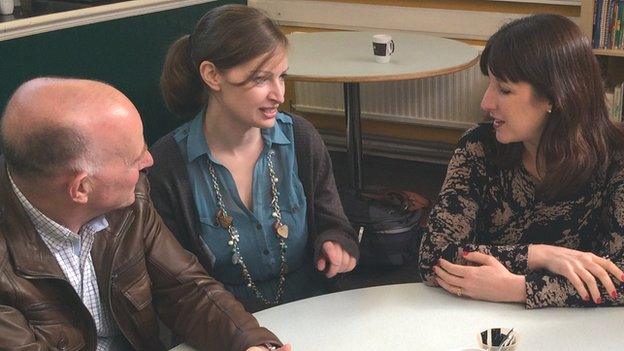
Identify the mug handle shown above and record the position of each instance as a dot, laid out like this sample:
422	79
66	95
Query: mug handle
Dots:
391	46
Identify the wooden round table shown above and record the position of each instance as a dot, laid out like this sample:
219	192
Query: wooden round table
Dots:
347	57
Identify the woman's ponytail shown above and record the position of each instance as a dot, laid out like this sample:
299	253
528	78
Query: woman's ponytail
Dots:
180	83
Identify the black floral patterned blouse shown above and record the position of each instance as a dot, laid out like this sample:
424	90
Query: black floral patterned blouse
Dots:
482	207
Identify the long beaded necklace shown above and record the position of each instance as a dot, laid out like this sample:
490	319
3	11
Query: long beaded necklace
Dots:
281	231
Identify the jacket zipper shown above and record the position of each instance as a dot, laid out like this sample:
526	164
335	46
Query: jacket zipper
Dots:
127	267
124	226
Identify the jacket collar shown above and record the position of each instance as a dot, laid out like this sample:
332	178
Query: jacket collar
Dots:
30	254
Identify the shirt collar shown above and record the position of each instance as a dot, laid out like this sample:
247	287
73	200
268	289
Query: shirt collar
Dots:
196	142
48	228
197	146
276	134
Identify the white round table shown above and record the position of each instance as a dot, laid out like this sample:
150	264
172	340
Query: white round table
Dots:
347	57
408	317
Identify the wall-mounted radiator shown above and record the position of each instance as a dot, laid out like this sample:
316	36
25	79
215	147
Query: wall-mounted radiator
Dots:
450	101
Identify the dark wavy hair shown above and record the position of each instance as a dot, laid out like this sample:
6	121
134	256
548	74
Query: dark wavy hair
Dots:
550	53
227	36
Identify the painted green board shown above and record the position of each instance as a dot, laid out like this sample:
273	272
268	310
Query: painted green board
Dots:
127	53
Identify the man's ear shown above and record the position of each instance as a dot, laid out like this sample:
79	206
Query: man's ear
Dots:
210	75
80	187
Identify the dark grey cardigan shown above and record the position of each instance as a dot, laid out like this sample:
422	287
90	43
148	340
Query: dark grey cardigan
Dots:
172	197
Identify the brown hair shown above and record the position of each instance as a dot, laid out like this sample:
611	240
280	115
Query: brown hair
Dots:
550	53
227	36
45	151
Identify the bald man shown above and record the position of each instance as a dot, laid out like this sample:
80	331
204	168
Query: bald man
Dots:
85	261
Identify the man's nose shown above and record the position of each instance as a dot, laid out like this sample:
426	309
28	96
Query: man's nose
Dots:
148	161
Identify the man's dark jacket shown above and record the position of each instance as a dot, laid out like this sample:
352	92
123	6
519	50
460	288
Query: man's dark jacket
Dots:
141	270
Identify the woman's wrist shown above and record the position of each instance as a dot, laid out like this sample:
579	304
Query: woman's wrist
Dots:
536	255
518	288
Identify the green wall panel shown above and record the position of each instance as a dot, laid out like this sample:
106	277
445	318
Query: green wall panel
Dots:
127	53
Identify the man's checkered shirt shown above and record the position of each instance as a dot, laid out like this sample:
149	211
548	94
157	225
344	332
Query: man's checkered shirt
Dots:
73	254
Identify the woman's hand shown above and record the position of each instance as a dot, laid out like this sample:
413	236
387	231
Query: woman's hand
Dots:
489	281
333	259
580	268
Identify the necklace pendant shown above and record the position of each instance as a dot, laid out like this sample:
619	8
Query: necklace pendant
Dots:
224	221
281	230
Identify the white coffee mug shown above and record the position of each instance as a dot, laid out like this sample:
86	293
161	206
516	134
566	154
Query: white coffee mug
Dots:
6	7
383	47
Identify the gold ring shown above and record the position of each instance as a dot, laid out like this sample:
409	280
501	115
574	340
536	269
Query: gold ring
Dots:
459	292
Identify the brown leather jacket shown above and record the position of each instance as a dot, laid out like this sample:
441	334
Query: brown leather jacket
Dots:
142	271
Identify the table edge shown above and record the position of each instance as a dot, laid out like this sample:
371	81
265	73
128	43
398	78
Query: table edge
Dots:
382	78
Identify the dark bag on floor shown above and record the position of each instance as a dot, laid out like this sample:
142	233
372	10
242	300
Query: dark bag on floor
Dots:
388	222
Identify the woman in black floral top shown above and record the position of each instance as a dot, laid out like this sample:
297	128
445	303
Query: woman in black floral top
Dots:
532	208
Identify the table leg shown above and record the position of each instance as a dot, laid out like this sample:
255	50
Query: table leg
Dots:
354	133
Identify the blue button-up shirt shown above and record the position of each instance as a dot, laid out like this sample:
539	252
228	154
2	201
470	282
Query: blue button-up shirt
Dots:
259	245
